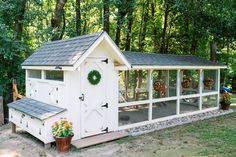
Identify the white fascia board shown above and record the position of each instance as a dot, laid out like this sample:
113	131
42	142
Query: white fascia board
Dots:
89	51
178	67
121	68
96	43
117	50
63	68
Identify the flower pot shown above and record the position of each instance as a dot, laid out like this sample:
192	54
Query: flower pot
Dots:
63	143
225	106
156	86
186	84
208	84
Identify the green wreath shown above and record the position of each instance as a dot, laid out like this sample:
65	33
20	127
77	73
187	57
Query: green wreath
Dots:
94	77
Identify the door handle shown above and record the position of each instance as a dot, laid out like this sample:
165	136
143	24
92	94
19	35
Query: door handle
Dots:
81	97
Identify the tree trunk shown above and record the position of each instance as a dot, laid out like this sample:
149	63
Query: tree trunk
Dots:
19	19
143	29
163	37
154	28
78	18
227	61
57	19
106	14
120	20
129	25
64	25
213	51
194	40
194	44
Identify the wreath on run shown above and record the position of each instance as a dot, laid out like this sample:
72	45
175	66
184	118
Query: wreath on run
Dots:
94	77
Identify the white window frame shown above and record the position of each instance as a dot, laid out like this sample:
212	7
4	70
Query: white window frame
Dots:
28	74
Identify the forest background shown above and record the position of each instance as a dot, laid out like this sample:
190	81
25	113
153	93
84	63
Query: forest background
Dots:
205	28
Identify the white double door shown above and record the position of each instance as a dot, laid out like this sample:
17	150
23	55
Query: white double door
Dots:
94	101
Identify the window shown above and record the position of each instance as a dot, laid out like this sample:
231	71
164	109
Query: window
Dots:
54	75
133	114
133	86
34	74
210	81
189	82
189	105
209	101
164	83
163	109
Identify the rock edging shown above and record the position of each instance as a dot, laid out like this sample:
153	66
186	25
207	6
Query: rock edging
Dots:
174	122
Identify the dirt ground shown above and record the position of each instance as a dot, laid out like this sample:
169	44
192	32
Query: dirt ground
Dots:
215	137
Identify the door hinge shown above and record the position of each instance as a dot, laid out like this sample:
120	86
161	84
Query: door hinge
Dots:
81	97
105	60
106	129
106	105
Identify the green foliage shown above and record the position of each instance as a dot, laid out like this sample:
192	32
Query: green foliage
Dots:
226	98
191	26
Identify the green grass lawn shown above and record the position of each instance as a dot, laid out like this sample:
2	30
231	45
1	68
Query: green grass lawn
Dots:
233	99
218	136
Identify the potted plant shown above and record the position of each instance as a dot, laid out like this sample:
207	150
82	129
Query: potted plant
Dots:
208	82
187	82
225	100
63	133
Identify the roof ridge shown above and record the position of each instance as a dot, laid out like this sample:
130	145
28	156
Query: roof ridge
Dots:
73	38
153	53
90	45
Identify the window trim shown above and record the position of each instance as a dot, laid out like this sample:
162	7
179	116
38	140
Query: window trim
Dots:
53	80
28	74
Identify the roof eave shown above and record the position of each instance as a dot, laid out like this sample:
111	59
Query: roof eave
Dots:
49	67
176	67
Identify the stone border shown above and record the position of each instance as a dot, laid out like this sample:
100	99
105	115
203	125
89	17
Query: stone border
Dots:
174	122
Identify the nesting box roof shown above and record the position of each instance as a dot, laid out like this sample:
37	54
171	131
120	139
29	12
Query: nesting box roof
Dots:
36	109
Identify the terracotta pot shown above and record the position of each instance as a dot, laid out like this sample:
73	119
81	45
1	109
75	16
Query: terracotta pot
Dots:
225	106
63	143
186	84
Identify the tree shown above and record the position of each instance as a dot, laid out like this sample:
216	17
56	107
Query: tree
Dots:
56	20
106	21
19	19
122	11
131	8
143	26
163	35
78	18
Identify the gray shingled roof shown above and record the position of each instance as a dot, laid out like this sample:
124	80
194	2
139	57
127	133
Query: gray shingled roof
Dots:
62	52
35	108
153	59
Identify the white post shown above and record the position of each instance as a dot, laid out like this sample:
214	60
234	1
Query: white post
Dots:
178	82
43	74
200	85
167	80
150	82
218	87
1	111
